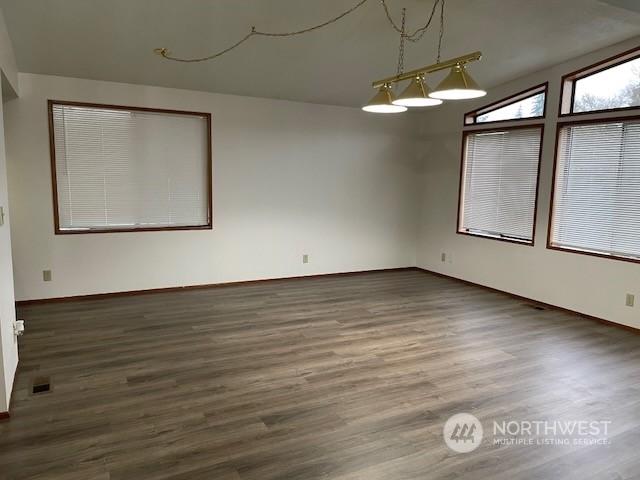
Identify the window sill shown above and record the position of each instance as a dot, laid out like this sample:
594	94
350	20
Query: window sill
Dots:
59	231
591	253
528	243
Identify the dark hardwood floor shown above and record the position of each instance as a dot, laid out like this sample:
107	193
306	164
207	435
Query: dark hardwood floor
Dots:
339	378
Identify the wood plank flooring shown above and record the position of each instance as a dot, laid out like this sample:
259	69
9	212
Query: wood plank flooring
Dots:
340	378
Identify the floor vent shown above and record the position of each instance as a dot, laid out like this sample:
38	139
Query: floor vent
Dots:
41	385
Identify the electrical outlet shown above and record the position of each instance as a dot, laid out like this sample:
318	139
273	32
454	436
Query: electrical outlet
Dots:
631	300
443	257
305	258
46	275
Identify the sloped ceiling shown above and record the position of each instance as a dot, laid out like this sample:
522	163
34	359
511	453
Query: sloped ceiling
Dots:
113	40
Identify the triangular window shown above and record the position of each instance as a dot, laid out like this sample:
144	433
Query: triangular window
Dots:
526	105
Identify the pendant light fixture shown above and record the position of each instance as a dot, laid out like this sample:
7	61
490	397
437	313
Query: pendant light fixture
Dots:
458	85
416	95
383	102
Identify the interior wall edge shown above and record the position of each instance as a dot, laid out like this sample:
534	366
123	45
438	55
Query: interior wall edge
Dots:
8	341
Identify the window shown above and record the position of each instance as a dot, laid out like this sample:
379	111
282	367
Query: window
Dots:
123	168
613	84
527	105
499	183
596	199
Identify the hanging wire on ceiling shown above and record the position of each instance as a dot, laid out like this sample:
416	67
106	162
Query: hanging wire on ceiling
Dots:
417	35
413	37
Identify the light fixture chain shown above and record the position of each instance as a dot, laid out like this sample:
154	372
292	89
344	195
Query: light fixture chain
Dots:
400	70
441	30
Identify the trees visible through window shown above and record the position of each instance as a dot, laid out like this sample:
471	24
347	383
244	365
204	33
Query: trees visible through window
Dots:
529	104
611	85
595	201
616	87
528	108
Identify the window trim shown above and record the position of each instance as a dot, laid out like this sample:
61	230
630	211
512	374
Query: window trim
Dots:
516	97
560	124
568	83
52	153
465	134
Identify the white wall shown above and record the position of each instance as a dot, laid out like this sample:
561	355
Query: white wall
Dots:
8	342
590	285
288	179
7	57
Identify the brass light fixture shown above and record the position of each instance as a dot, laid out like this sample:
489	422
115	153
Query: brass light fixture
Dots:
458	85
416	95
383	102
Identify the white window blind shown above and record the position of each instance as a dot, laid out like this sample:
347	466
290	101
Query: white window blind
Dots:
597	188
500	175
119	169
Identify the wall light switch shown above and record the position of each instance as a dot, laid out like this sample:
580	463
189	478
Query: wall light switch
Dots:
631	300
46	275
1	216
305	258
443	257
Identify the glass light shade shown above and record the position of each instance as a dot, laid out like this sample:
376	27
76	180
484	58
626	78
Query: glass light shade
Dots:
382	102
458	85
416	95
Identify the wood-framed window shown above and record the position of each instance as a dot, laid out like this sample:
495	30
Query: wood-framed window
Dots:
121	169
499	182
530	104
595	205
607	86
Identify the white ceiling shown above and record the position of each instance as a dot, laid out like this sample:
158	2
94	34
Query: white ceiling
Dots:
113	40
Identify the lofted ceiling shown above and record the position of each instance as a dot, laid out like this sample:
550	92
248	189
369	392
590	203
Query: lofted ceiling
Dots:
114	40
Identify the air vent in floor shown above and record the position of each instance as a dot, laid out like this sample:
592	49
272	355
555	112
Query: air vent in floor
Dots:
41	385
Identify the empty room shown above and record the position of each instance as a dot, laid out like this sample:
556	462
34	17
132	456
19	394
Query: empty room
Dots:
320	239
